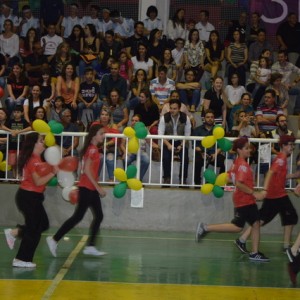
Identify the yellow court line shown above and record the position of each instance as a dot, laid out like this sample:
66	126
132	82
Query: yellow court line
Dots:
64	269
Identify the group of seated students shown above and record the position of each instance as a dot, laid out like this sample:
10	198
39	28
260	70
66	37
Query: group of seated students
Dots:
141	67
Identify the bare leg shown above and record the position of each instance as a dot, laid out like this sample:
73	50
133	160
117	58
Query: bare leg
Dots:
287	234
255	236
245	235
228	227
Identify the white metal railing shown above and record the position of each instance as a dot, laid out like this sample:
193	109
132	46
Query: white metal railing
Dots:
154	175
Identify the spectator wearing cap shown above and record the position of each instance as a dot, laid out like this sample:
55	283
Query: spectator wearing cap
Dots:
52	12
266	113
105	23
93	18
152	22
69	22
27	21
6	10
122	27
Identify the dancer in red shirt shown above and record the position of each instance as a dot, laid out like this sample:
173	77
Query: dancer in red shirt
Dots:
245	208
277	201
89	191
29	199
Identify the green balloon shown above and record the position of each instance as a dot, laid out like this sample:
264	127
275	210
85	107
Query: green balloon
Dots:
56	128
141	132
50	123
138	125
53	181
210	176
120	189
218	191
131	171
224	144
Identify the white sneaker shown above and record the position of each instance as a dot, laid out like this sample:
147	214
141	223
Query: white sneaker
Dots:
10	239
23	264
52	245
91	250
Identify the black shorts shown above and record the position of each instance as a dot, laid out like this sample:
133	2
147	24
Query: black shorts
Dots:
245	214
282	206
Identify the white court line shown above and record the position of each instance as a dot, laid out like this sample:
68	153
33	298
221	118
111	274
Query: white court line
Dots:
64	269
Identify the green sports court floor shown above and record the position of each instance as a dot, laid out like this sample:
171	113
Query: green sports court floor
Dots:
148	265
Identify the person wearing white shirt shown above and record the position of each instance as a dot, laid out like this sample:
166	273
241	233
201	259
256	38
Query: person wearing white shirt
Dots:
122	27
28	21
7	14
50	41
93	18
204	27
176	27
106	23
69	22
152	22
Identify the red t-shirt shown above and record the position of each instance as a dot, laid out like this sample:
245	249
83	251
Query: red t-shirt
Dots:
242	172
27	181
276	188
93	154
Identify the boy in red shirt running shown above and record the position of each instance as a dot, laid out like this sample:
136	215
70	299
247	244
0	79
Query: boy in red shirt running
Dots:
277	200
245	208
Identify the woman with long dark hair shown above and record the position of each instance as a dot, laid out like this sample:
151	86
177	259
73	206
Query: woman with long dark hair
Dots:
89	192
176	27
29	200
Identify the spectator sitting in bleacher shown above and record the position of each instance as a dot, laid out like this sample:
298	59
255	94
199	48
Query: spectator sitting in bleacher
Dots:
206	129
152	22
7	14
122	27
106	23
28	21
17	88
284	67
35	63
267	112
57	108
148	111
282	94
131	44
9	44
70	21
113	81
92	18
26	44
50	42
68	144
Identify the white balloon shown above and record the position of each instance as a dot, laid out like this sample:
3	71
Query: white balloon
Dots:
65	179
52	155
66	192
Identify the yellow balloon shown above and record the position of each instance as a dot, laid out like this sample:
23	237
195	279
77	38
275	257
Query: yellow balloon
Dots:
3	166
1	156
120	174
133	145
40	126
208	141
134	184
49	139
207	188
129	132
222	179
219	132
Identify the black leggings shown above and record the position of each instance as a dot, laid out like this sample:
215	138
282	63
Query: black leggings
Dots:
36	221
87	199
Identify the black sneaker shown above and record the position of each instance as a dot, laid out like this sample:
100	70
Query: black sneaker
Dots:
200	232
290	254
258	256
241	246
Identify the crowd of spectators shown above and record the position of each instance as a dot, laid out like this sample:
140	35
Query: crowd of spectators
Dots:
75	69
